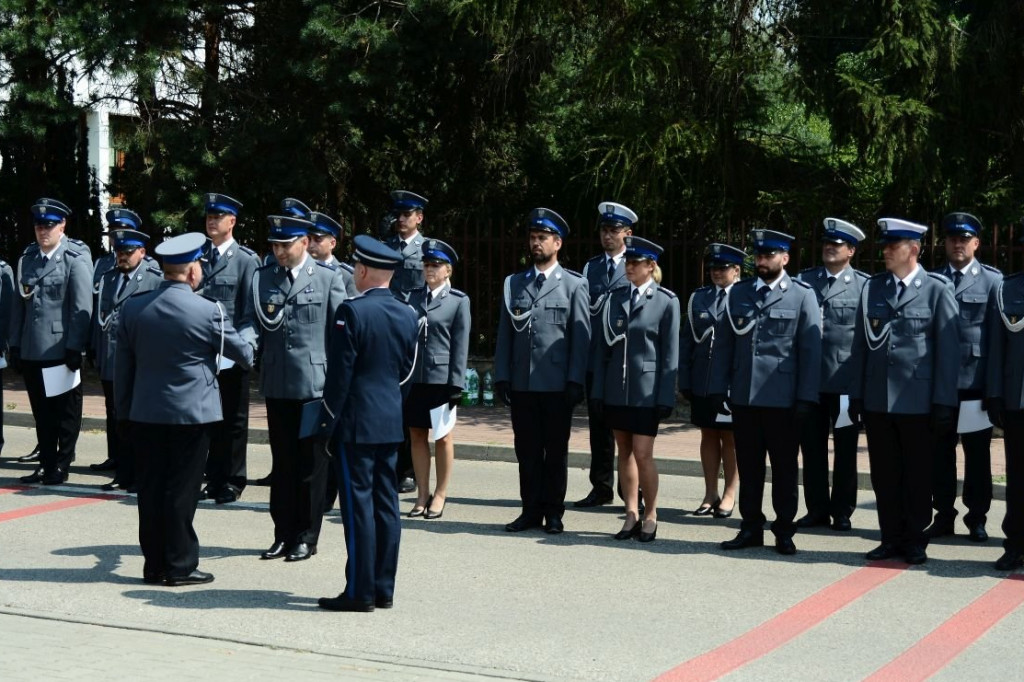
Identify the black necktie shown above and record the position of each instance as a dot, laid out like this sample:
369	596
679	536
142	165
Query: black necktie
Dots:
634	299
214	257
402	244
124	282
763	291
719	301
831	281
430	297
291	277
540	280
957	278
611	269
901	288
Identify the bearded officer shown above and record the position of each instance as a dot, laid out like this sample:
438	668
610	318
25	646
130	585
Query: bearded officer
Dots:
906	352
322	242
165	385
974	287
837	286
604	273
132	274
50	328
540	365
297	300
228	280
769	360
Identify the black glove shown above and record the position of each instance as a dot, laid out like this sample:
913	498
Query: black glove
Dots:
687	395
664	412
596	405
856	410
123	429
73	359
717	402
573	394
942	419
14	358
454	397
996	411
504	391
804	409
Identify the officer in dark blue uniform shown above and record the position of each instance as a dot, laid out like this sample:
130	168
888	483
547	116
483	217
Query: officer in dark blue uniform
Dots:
837	285
228	280
372	350
906	352
540	364
974	287
603	273
322	242
769	361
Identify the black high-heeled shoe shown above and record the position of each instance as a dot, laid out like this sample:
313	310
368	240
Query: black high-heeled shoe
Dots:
420	511
431	514
709	509
723	513
630	533
648	537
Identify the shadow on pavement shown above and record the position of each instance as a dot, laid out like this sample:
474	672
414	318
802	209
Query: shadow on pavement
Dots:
209	599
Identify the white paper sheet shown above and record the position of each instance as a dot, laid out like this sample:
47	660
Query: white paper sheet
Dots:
844	412
59	380
3	361
224	363
442	420
724	418
972	417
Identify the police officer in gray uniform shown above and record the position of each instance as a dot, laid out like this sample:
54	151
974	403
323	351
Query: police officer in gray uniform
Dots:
837	285
540	364
296	303
769	360
1004	388
50	327
603	273
165	385
974	287
322	242
228	280
906	352
132	274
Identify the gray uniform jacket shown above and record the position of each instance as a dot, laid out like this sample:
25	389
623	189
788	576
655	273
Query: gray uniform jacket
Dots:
768	353
230	284
1005	375
56	313
409	274
639	349
697	340
165	367
444	337
347	276
548	343
595	271
976	301
838	305
906	352
295	320
7	295
102	266
108	310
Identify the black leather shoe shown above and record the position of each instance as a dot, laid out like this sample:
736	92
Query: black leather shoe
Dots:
196	577
1010	560
262	481
785	546
154	578
106	465
626	534
939	529
522	523
594	499
383	602
207	493
841	523
276	551
883	551
553	525
30	457
227	495
35	477
111	485
406	485
55	476
301	552
915	555
812	521
744	539
343	603
977	533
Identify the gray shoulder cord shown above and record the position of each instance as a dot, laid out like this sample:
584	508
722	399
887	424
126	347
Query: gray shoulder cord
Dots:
728	315
521	321
222	317
422	327
875	341
710	331
21	288
270	324
1013	327
611	338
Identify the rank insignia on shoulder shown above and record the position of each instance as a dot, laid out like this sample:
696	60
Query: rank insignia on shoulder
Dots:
618	323
309	270
875	322
270	308
1013	319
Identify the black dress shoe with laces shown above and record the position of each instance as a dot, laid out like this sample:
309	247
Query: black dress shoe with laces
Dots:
196	577
384	602
111	485
227	495
406	485
841	523
153	578
915	555
35	477
785	546
343	603
55	476
301	552
106	465
30	457
276	551
977	533
553	525
744	539
884	551
1010	560
594	499
810	520
939	529
522	523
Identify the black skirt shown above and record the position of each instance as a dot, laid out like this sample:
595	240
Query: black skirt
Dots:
422	399
702	414
639	420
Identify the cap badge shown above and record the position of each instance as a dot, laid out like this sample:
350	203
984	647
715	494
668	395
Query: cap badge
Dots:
831	224
759	235
717	248
277	222
211	198
432	244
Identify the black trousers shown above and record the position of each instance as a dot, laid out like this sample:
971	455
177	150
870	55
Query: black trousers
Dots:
2	410
900	448
331	485
118	449
814	444
368	493
977	473
58	419
298	478
1013	442
602	448
404	462
541	422
770	431
171	459
230	437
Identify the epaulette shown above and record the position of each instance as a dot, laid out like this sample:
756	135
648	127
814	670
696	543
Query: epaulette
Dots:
596	258
706	287
801	283
939	276
456	292
992	269
809	270
73	253
667	292
34	246
323	265
572	272
266	266
347	267
208	298
861	274
3	263
79	243
149	259
155	269
881	275
246	249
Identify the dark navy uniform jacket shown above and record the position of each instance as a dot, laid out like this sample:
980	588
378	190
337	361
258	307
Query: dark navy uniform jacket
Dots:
769	353
906	352
595	271
444	339
408	275
976	303
371	352
146	278
1005	371
839	315
697	340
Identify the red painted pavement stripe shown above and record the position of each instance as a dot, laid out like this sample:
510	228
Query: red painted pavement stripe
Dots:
948	641
54	506
785	626
14	489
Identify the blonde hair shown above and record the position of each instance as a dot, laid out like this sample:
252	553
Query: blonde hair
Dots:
656	275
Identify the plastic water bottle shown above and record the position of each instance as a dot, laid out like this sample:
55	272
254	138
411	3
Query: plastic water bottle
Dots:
471	395
488	389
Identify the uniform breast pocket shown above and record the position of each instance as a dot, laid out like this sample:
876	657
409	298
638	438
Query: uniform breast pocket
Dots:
972	308
52	288
556	312
781	322
843	313
916	321
221	287
440	359
307	306
650	366
272	305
